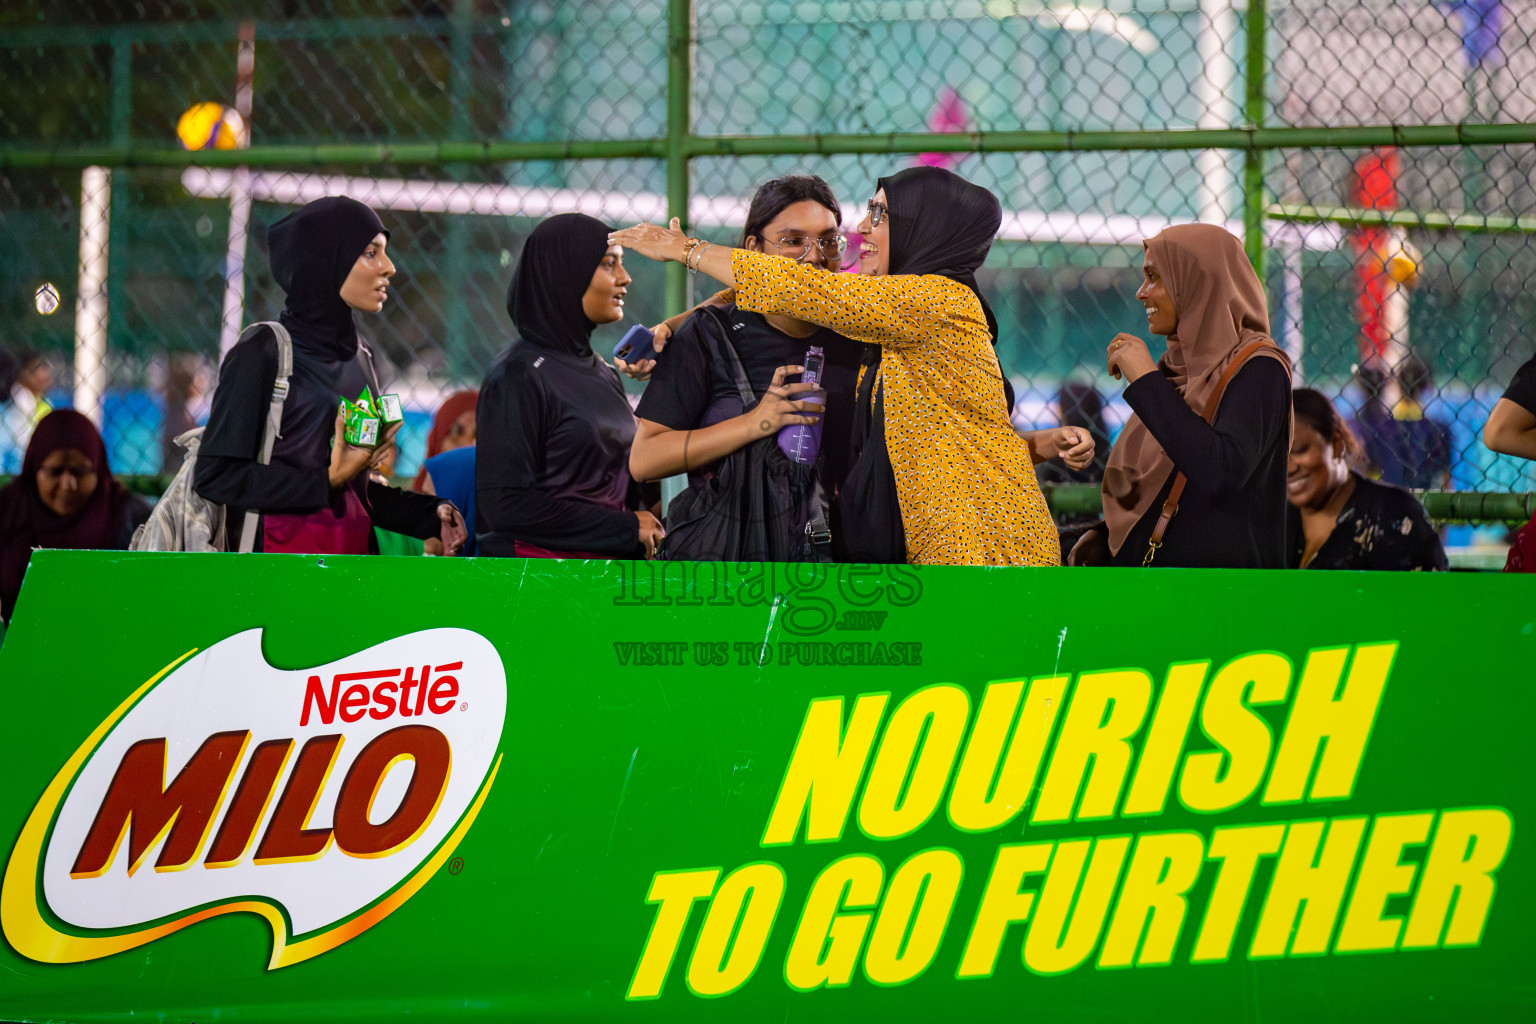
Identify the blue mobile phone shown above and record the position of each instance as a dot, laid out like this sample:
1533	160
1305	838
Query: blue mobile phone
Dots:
635	346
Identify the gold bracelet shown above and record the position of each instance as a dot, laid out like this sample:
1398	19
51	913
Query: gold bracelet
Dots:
689	244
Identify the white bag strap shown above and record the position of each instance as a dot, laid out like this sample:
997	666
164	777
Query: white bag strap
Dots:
270	433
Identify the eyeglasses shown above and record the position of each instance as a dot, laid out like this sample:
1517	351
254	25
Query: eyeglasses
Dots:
877	212
798	247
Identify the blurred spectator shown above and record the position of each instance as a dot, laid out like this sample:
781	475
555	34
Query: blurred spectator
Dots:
1404	446
1340	520
1373	416
1511	430
453	426
24	385
64	497
181	390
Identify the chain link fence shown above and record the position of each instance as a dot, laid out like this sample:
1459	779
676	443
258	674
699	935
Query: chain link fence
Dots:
1376	155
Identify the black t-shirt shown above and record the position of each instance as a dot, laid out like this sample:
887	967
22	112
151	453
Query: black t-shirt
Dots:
552	455
1522	390
687	391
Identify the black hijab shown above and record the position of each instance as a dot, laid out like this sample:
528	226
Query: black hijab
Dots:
553	273
941	224
313	250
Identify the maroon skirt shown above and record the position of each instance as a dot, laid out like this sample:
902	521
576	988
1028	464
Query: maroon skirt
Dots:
525	550
325	532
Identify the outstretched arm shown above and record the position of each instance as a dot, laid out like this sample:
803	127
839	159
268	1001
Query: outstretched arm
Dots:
669	243
884	310
1511	429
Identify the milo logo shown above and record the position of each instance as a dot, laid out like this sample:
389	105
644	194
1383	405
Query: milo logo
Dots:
320	798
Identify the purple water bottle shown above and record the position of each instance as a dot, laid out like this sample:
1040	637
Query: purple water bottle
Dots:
801	441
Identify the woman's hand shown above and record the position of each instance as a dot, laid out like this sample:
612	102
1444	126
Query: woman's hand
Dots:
653	241
453	532
1072	445
1092	548
638	370
660	335
1127	357
651	532
346	460
386	448
778	407
641	369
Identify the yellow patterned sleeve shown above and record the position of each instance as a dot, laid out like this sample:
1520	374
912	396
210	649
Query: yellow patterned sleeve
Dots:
904	309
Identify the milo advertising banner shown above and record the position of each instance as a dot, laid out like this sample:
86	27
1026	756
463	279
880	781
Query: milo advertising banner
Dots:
257	788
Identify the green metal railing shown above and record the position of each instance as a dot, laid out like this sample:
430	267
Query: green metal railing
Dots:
1086	499
685	147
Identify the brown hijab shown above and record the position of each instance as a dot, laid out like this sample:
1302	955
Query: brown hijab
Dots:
1221	309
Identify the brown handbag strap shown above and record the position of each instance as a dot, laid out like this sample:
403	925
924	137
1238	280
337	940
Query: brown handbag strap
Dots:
1171	506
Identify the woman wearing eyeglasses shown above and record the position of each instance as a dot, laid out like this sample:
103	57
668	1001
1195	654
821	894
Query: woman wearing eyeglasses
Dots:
940	475
692	415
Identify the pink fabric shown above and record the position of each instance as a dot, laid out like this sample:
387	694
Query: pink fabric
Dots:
525	550
1522	549
320	533
948	115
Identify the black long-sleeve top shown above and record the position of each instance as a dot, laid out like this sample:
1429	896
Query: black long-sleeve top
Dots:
298	478
1233	510
553	432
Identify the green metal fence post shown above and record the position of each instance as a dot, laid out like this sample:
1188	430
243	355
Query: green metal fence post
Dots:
679	128
1253	162
676	293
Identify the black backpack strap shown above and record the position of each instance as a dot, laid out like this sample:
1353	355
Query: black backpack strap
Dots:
818	530
724	349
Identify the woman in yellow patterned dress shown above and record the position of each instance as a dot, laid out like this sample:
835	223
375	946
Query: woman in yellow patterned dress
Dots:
941	476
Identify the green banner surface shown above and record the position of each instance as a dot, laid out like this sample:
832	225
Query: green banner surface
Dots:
250	788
